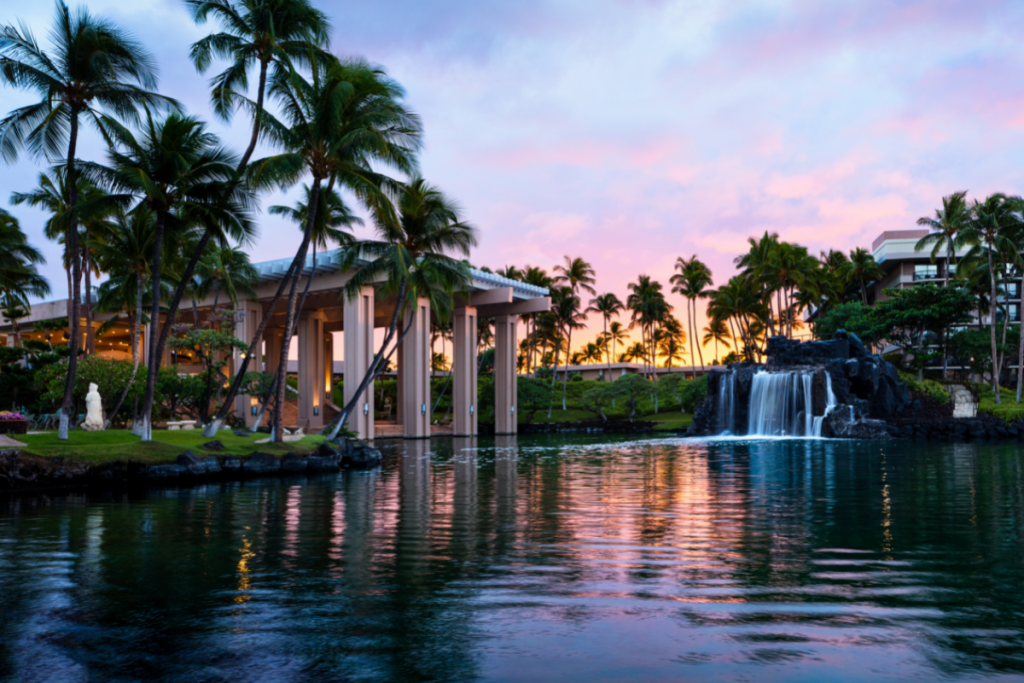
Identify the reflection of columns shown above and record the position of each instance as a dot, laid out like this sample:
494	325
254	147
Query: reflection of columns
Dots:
247	319
311	369
464	372
506	460
464	498
414	508
358	356
415	372
505	374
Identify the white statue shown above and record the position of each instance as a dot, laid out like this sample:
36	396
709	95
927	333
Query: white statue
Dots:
93	410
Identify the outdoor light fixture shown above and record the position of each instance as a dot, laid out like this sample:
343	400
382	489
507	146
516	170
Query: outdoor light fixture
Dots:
316	410
471	409
366	409
254	411
423	409
512	410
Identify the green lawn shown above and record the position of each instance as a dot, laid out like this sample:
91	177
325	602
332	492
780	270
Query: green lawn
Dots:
670	420
1008	410
120	444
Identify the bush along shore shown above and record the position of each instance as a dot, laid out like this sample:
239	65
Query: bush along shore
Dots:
20	471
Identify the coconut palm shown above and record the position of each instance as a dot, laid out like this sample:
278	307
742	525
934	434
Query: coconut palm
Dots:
537	277
568	315
758	270
990	231
946	226
617	334
607	306
339	125
285	33
692	280
179	170
416	255
225	269
862	269
578	275
93	71
19	279
716	331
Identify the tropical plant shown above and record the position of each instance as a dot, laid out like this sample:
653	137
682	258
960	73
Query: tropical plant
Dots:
862	269
946	227
691	280
607	306
19	278
413	257
578	275
94	70
718	332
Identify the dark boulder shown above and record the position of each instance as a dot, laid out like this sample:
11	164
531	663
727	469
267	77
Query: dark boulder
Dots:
195	465
361	455
244	433
230	464
293	463
838	425
261	463
165	472
212	465
213	446
318	464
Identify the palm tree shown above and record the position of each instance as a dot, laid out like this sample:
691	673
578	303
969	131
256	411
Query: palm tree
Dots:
862	269
125	256
338	125
616	334
648	307
413	257
19	279
692	280
537	277
93	68
607	305
716	331
945	227
178	169
224	268
567	316
284	33
578	275
758	269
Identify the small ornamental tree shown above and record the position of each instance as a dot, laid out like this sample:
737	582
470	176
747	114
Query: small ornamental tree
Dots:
212	348
906	316
533	396
852	316
109	376
631	389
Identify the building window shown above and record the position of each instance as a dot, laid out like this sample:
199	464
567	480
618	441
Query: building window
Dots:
1012	290
926	271
1014	313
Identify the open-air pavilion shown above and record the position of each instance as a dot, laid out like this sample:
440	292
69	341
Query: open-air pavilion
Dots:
326	311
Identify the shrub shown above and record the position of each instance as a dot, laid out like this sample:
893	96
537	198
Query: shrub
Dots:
926	387
109	376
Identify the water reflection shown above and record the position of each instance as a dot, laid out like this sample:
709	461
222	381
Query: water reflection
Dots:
535	558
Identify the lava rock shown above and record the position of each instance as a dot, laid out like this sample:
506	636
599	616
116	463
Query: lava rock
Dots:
857	349
293	463
261	463
361	455
165	472
213	446
319	464
195	465
244	433
230	464
212	465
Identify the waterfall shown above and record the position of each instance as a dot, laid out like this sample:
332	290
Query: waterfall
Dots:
830	404
781	404
727	404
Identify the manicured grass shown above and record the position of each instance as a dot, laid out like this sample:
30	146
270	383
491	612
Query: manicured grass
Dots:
1008	410
670	422
120	444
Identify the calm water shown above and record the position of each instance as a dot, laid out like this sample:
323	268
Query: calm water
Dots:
546	560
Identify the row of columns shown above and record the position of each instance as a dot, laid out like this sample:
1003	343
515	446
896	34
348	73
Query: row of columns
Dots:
414	409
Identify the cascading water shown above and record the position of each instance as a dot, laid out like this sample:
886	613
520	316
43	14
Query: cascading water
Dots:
830	404
780	403
727	404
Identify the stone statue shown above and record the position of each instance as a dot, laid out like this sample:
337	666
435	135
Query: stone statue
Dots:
93	410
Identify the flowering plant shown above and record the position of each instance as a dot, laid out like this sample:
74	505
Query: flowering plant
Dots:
8	415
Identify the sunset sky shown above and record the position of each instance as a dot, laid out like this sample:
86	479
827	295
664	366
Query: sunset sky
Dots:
634	132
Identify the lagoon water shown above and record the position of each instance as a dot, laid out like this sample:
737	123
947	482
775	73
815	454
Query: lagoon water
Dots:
537	559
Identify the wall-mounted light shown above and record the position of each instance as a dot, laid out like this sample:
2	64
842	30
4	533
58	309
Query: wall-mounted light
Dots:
254	411
471	409
512	410
423	409
316	410
366	409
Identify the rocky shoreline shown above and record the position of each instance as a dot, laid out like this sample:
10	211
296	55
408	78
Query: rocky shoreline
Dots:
25	473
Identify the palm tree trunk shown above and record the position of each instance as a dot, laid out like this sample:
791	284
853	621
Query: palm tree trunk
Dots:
90	343
558	350
71	248
992	326
607	353
863	291
134	330
256	118
144	427
289	321
565	377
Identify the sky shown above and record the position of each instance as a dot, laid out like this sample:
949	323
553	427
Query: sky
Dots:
633	132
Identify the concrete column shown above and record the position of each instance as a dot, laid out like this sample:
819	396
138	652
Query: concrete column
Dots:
415	372
464	365
505	348
329	367
272	339
358	323
248	315
311	370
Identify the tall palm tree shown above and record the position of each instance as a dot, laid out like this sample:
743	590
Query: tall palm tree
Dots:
862	269
566	309
945	230
990	231
578	275
607	306
758	269
285	33
225	269
338	126
648	307
178	169
93	70
125	255
537	277
616	334
414	257
691	280
20	281
716	331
